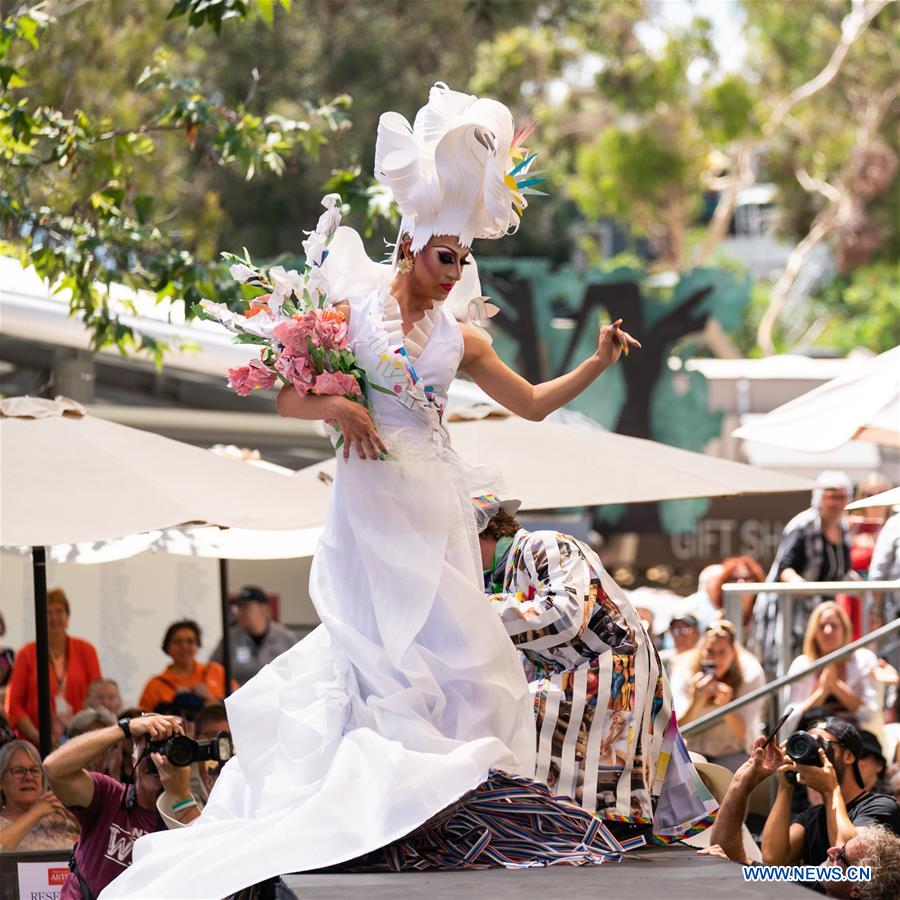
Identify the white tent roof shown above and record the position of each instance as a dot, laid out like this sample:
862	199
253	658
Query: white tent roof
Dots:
863	404
550	465
885	498
68	477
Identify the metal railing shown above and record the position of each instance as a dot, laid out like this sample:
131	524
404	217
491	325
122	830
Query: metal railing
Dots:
733	592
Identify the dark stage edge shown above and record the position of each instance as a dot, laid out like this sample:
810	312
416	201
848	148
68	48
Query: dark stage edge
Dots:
667	873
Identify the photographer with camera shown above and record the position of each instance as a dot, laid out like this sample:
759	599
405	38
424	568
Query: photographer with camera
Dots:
873	844
112	815
824	759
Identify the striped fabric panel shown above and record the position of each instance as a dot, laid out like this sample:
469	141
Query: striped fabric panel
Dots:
507	821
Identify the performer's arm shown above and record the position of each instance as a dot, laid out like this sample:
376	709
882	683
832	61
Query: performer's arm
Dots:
481	363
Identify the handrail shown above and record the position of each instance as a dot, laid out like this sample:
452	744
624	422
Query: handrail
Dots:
808	587
789	589
704	721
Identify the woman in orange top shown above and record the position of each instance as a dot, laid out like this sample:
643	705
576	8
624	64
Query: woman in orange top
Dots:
73	666
187	673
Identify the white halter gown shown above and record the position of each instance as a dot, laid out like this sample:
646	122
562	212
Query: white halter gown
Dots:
407	694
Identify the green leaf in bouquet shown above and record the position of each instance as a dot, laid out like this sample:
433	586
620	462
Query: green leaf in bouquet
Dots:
288	307
198	312
340	443
245	338
316	355
379	388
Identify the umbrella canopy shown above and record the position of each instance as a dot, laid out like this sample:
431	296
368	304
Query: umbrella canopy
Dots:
885	498
551	465
861	405
68	477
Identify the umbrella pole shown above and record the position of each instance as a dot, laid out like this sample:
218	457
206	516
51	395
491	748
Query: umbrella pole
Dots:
42	641
226	631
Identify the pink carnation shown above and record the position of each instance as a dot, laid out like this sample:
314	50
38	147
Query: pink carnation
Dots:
297	370
339	383
293	335
330	329
244	379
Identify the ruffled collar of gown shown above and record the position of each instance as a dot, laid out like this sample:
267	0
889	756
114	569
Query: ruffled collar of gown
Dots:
418	336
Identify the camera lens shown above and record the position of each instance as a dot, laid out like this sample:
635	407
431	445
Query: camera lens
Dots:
180	751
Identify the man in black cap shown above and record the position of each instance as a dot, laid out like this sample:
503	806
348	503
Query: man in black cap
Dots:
255	640
846	806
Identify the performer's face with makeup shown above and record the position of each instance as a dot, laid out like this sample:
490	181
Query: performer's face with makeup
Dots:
439	266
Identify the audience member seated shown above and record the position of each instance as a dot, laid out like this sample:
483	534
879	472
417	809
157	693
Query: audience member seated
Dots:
865	841
73	666
873	765
104	692
716	672
112	815
844	688
93	720
211	721
815	546
735	569
700	604
186	673
31	817
685	632
256	639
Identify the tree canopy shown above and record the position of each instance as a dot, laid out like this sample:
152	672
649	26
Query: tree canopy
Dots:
129	131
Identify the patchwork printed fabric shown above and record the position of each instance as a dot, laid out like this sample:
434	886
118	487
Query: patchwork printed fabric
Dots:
606	734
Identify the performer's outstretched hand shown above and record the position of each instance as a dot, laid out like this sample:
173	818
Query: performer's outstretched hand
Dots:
611	341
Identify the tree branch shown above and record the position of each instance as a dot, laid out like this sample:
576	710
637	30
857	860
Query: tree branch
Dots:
852	26
817	186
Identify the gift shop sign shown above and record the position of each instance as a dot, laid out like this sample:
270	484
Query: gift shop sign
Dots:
41	880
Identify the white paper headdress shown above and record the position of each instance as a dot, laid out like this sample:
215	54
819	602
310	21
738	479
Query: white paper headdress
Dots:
458	170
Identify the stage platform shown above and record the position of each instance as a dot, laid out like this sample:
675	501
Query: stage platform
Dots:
658	873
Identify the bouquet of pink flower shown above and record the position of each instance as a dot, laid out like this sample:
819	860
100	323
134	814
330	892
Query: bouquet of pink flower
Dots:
302	338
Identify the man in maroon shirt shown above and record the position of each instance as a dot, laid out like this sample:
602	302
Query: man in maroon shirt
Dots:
112	815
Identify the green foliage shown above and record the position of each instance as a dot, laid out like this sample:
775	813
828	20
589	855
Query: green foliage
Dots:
860	310
77	188
643	158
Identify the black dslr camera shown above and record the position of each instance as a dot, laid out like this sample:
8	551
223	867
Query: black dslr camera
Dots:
182	751
803	748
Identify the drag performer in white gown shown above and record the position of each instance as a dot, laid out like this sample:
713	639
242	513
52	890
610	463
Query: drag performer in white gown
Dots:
410	692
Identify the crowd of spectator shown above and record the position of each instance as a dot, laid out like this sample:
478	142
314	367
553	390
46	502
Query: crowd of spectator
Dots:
102	786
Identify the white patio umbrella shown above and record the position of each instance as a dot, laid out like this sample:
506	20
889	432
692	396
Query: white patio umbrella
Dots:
861	405
69	478
885	498
551	465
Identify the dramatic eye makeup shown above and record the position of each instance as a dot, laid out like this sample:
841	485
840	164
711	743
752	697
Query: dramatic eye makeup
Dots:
448	257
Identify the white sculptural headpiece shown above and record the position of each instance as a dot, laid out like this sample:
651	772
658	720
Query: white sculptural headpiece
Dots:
458	170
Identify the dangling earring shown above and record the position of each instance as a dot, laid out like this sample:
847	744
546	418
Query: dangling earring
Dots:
405	266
